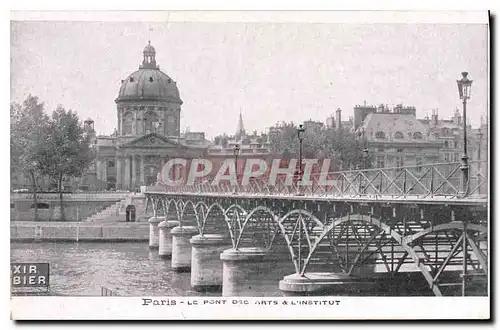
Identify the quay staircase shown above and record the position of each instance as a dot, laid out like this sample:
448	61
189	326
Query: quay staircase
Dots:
112	213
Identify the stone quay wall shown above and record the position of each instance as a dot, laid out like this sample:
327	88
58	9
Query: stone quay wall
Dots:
50	210
77	232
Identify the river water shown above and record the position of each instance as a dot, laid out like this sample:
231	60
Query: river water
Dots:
129	269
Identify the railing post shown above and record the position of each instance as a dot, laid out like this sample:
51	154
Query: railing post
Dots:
404	182
380	189
464	261
432	181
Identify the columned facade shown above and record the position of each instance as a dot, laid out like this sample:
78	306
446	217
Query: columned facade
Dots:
148	130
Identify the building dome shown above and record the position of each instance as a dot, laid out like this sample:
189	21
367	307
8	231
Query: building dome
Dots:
149	83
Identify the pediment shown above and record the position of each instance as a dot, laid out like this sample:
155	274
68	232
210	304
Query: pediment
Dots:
152	140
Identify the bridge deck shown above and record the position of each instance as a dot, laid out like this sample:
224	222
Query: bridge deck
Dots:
473	200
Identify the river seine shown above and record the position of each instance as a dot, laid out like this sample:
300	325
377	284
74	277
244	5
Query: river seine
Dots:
129	269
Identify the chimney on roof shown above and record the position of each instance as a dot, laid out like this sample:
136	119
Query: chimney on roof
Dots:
457	119
338	118
435	117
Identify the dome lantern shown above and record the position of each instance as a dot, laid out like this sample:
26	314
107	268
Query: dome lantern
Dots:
149	60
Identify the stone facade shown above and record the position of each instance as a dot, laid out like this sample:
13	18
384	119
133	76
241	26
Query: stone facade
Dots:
148	131
395	137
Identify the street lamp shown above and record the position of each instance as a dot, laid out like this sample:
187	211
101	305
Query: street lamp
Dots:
464	88
236	152
300	134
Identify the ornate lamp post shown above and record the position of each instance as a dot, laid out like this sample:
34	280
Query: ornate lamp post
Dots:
300	134
464	89
236	152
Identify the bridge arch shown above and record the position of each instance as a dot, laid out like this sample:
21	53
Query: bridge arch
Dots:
301	229
208	224
262	225
404	242
172	208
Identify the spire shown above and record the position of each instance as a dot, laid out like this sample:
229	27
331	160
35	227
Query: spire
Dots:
240	129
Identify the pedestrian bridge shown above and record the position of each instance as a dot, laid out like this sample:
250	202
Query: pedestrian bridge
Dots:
429	221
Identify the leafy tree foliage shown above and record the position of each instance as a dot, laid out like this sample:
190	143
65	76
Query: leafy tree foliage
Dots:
222	140
344	147
68	152
28	137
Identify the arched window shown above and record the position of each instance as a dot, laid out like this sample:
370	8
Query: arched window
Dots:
40	206
380	135
151	122
398	135
417	136
170	125
127	124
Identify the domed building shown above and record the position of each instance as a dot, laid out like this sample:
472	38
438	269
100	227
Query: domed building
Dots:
148	130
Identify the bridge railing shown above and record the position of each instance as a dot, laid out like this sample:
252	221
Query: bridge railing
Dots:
429	180
88	195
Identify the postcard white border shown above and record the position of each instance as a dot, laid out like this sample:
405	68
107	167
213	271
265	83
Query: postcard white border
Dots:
350	307
363	17
200	308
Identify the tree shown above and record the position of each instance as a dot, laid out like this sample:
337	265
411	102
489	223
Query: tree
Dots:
28	135
222	140
68	152
344	147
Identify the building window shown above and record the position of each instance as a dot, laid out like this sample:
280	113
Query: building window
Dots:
400	162
127	124
111	163
455	157
399	150
170	125
380	135
151	122
398	135
380	150
446	157
417	136
446	144
419	162
456	144
380	161
40	206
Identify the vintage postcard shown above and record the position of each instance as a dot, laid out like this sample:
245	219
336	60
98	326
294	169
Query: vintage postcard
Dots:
249	165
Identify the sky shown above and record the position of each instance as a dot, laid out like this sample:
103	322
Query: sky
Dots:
271	72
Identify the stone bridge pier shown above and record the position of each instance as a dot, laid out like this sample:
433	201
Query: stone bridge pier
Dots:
165	238
206	263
